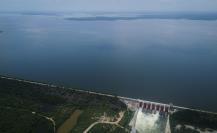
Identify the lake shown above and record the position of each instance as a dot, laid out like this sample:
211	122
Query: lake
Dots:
165	60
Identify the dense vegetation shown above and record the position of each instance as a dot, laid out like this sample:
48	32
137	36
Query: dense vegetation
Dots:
21	121
196	119
53	102
126	120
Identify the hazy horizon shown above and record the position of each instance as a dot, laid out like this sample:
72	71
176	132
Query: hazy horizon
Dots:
111	5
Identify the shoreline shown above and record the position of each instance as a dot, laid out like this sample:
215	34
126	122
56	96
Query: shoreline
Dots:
104	94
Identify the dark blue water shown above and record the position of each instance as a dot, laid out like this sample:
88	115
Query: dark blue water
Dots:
165	60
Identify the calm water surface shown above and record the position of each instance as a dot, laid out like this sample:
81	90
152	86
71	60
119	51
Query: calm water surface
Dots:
165	60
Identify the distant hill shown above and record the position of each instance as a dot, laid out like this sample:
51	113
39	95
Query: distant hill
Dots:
140	15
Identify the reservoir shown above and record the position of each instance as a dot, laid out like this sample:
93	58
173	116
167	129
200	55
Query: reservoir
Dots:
165	60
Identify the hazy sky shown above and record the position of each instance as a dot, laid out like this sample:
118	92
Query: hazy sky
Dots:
108	5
